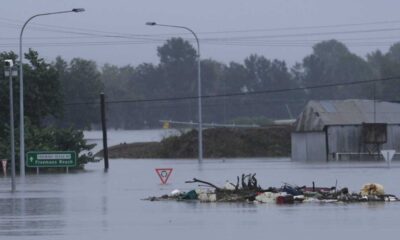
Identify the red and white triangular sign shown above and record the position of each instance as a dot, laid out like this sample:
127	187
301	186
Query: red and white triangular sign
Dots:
164	174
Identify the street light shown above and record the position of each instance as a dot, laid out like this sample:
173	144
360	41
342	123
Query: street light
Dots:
200	130
21	86
11	72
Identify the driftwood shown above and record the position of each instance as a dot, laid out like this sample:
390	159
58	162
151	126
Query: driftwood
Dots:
195	180
247	191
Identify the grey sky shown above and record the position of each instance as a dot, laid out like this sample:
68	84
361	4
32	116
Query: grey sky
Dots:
229	30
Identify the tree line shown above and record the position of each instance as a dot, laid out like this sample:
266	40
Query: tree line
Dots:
232	92
66	94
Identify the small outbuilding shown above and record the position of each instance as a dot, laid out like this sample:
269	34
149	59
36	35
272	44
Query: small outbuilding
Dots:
351	129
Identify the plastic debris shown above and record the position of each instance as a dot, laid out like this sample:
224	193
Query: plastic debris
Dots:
191	195
248	190
372	189
267	197
175	192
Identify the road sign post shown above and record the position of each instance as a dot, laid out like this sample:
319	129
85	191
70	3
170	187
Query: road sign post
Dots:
51	159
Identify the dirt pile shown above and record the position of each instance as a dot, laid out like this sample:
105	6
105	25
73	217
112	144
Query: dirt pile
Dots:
218	143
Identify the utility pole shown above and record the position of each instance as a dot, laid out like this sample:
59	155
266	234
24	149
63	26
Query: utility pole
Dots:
104	128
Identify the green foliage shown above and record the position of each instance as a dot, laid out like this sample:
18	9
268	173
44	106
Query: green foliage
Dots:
213	73
43	99
332	62
384	66
58	139
175	52
120	83
247	87
4	91
41	89
4	142
80	82
178	68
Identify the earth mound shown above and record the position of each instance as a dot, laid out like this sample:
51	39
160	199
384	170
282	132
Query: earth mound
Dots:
218	143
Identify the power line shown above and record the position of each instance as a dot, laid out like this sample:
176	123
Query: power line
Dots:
148	37
302	34
239	93
49	26
266	43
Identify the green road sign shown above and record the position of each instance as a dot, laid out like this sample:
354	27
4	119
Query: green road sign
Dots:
51	159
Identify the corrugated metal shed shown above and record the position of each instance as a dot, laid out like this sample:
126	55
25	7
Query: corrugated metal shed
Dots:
318	114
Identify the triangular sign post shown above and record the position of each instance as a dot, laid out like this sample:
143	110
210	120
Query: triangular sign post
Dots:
163	174
388	155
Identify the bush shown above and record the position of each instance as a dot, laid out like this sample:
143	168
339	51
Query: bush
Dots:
56	139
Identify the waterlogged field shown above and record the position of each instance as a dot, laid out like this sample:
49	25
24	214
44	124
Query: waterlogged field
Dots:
107	205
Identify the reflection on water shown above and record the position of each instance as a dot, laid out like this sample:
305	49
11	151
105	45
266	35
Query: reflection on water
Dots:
31	216
98	205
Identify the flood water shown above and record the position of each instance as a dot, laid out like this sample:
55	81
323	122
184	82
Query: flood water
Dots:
98	205
115	137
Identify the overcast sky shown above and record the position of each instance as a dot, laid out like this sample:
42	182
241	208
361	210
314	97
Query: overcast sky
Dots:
229	30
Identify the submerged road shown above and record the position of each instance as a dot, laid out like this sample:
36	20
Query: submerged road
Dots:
98	205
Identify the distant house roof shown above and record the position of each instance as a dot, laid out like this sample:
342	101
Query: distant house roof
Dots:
318	114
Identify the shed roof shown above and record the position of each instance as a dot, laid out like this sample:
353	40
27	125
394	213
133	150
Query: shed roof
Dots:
318	114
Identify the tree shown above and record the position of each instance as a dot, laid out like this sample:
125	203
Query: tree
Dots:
41	96
42	99
212	77
80	84
178	67
178	78
41	89
386	66
4	89
267	75
331	62
119	84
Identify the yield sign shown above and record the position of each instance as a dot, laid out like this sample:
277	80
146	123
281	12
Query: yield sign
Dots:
388	154
164	174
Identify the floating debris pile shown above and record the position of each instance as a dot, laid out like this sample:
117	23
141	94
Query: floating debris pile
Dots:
247	189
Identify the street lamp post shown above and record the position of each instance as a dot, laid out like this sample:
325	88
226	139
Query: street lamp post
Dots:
200	126
11	72
21	86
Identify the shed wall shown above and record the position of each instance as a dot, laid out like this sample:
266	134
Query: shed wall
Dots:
348	140
308	146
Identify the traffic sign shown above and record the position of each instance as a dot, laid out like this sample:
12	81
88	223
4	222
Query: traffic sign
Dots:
51	159
388	155
163	174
